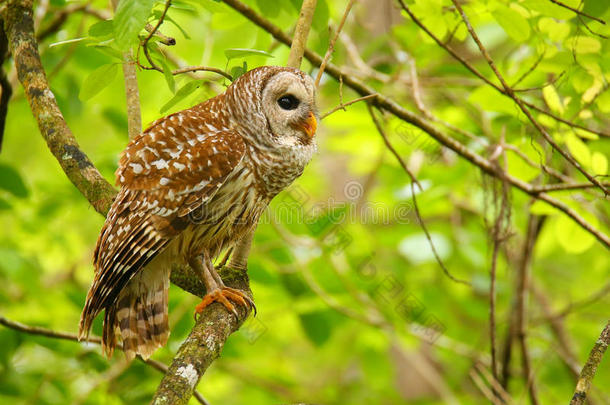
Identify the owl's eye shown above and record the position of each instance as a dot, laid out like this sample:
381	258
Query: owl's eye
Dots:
288	102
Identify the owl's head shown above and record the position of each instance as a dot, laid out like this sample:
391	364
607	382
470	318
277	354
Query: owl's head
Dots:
286	101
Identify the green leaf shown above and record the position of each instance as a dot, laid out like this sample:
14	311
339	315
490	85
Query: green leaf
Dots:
552	99
555	30
11	181
157	14
578	149
182	93
237	71
603	102
97	81
540	207
129	20
599	164
233	53
169	77
515	25
582	44
269	8
108	50
101	28
571	236
316	326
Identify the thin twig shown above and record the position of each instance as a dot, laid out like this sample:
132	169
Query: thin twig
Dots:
342	106
523	277
498	238
510	92
599	20
151	33
331	44
413	195
590	368
566	186
132	93
164	39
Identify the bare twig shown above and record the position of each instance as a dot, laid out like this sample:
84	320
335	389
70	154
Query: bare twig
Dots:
164	39
301	33
599	20
331	44
498	238
342	105
132	93
413	195
566	186
590	368
152	32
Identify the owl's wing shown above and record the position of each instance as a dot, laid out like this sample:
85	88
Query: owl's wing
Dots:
172	168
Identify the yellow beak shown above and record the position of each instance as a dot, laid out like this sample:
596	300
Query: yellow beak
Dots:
310	125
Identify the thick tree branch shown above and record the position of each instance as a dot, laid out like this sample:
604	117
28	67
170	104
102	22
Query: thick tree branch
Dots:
19	28
590	368
393	107
203	345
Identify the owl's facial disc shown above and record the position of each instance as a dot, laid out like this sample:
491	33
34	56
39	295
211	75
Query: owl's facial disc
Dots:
290	108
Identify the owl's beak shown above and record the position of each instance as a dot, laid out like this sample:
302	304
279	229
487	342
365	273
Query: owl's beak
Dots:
310	125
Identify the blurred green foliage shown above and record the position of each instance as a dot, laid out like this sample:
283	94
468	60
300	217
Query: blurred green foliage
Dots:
342	274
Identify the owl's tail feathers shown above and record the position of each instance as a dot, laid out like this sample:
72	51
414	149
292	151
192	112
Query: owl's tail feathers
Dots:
138	316
140	319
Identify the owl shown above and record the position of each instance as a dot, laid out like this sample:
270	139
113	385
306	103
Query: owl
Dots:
191	185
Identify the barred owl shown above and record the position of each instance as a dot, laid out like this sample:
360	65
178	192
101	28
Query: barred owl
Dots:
193	184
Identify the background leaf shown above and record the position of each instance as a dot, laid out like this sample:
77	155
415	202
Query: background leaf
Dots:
98	80
129	20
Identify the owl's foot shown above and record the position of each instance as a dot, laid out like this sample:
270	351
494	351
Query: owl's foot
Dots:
225	295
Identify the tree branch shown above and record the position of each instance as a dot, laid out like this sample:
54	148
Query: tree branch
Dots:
19	28
203	345
301	32
590	368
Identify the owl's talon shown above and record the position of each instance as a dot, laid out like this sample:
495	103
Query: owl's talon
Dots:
224	296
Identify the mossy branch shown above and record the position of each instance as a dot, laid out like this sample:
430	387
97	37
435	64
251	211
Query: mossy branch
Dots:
590	368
